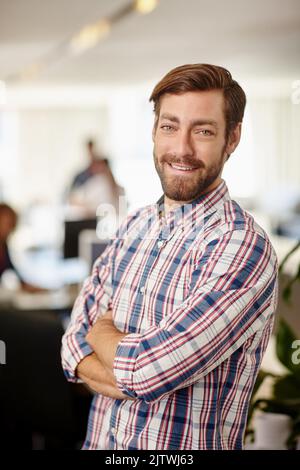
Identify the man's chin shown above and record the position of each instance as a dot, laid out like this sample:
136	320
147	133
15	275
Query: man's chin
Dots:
181	191
181	196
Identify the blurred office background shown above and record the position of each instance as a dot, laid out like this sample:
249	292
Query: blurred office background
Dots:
72	70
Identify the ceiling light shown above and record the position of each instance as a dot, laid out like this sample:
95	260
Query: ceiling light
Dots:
145	6
89	36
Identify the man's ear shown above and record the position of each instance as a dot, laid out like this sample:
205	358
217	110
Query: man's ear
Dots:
234	138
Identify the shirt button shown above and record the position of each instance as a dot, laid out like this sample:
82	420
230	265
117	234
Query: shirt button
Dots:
113	431
142	289
160	244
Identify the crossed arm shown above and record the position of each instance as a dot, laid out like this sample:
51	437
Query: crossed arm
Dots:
226	306
96	369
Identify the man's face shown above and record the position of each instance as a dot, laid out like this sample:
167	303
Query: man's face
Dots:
189	143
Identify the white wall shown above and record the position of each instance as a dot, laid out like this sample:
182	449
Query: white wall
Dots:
45	148
42	134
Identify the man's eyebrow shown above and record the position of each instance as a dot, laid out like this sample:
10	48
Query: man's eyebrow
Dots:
196	122
169	117
203	122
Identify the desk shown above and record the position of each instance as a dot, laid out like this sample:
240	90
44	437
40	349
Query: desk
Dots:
55	300
58	302
47	268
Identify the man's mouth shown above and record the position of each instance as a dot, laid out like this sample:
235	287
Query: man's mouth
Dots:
182	168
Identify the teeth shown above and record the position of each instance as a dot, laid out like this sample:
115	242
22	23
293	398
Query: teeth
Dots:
184	168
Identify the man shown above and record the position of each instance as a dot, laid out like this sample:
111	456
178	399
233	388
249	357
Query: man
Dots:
171	327
8	223
95	184
95	165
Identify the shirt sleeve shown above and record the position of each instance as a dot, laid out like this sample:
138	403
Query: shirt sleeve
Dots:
231	298
92	302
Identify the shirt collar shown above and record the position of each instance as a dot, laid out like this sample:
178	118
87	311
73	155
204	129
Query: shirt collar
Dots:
203	205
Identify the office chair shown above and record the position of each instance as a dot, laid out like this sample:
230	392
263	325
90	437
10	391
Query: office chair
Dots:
72	230
35	398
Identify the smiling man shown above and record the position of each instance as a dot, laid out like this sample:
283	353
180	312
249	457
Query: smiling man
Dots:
190	144
171	327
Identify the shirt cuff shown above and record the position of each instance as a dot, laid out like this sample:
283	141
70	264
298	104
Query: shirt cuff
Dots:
71	362
124	363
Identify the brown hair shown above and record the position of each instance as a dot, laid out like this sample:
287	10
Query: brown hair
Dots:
9	210
200	77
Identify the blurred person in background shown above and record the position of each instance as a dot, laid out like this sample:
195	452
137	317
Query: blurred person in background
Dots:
95	184
171	327
8	223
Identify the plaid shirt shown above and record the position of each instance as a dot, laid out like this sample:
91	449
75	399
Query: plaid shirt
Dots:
196	292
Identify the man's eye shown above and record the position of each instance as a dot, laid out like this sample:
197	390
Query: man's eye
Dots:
205	132
167	128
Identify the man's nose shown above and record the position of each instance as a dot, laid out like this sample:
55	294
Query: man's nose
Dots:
184	144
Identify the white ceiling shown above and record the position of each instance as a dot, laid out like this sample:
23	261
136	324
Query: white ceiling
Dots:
254	38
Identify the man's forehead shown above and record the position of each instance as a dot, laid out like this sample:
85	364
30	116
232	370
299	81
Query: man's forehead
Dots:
208	104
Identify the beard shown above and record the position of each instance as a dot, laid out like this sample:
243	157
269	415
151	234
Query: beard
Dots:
187	187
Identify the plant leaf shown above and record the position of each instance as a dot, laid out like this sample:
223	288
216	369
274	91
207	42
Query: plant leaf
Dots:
287	291
287	256
259	380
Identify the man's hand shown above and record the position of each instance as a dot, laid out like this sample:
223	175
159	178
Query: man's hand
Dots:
96	370
104	338
98	378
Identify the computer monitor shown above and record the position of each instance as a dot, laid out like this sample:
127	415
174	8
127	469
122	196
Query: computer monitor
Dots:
91	247
73	228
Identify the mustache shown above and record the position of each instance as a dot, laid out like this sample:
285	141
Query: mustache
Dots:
181	161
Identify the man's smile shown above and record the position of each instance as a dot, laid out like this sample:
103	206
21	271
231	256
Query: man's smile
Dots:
178	168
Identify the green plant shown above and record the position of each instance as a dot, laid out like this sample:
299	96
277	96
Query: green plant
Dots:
286	388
